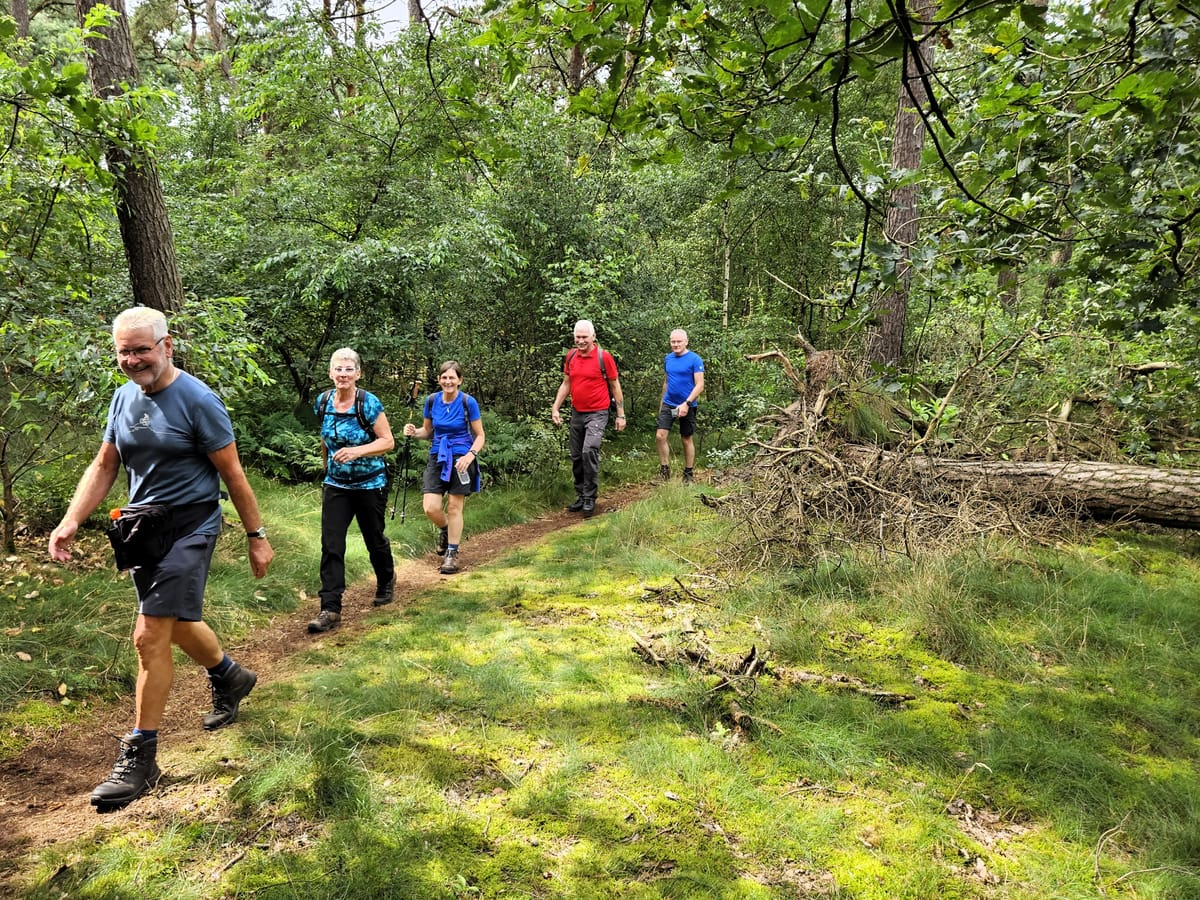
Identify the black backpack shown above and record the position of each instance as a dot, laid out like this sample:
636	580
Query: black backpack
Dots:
359	407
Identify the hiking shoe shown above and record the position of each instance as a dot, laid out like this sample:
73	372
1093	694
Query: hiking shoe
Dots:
589	508
324	621
664	473
228	692
443	541
450	563
577	506
135	773
385	593
687	476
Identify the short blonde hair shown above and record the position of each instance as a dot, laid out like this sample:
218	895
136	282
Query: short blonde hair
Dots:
141	317
346	353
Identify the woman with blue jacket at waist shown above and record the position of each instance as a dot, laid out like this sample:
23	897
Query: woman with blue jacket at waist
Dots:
453	423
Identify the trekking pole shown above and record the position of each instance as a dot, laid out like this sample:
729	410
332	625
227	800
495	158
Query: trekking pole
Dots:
411	403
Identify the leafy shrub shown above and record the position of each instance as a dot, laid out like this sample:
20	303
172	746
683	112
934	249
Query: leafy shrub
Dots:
280	446
45	494
526	446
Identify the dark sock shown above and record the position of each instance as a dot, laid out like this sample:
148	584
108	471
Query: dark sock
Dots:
222	667
453	547
151	736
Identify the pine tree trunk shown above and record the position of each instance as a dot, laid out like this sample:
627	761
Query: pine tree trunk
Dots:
885	340
141	209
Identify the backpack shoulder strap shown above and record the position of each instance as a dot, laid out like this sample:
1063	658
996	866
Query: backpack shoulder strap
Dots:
466	412
600	356
360	405
323	403
429	407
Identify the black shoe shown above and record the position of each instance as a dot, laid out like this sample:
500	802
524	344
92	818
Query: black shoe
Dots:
324	621
577	506
228	692
443	541
589	508
134	773
385	594
664	473
687	476
450	563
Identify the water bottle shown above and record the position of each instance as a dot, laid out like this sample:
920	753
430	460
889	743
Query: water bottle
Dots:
464	476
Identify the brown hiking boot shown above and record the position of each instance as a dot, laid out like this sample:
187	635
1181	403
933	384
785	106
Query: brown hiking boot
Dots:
324	621
450	563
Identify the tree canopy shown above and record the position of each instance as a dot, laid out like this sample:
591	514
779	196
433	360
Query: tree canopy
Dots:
470	184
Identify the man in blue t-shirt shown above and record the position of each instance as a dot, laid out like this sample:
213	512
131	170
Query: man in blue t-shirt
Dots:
172	435
683	382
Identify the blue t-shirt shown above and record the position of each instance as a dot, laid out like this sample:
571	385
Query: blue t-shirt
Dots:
342	429
681	376
449	422
164	440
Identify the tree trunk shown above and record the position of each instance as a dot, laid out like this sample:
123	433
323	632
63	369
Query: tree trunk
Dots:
141	209
1060	258
9	502
1007	288
885	340
216	36
1106	490
20	12
726	240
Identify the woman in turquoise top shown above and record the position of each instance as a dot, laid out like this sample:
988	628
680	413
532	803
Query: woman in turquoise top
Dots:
452	422
355	435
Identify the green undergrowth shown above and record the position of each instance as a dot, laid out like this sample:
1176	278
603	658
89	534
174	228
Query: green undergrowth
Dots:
499	737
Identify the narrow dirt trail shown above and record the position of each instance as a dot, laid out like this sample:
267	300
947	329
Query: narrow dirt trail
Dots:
45	791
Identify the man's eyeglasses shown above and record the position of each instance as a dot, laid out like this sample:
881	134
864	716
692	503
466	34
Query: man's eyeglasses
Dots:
139	352
343	370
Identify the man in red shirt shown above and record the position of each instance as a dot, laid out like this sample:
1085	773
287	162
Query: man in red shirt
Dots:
588	379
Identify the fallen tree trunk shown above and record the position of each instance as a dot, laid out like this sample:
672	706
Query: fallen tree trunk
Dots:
1105	490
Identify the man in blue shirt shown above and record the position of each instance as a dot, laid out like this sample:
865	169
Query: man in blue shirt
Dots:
683	382
172	435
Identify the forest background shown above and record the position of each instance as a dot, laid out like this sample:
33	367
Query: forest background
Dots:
1019	205
987	211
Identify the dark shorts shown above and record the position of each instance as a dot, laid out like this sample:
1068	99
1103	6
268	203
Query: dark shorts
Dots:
667	417
431	479
175	587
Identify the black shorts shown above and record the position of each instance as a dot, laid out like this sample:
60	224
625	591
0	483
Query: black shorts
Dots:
667	417
431	478
175	587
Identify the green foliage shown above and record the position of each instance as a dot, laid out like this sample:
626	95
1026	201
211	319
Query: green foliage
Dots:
52	388
281	446
522	448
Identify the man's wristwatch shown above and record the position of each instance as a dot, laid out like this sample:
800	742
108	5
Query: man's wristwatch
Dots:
260	533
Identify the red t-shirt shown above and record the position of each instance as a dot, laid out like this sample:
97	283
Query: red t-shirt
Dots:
589	390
